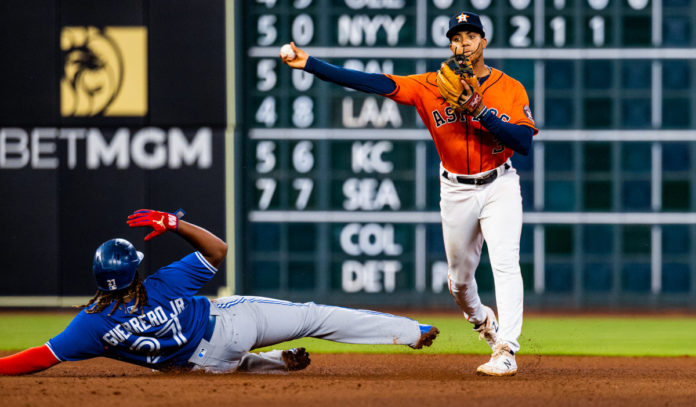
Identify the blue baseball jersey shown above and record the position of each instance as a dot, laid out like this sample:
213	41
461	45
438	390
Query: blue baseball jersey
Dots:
166	334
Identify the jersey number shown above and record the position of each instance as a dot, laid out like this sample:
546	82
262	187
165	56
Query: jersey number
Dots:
152	345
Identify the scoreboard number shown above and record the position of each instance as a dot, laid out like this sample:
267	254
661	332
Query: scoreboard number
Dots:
265	157
266	113
520	37
302	157
302	30
267	31
558	26
302	111
265	71
304	186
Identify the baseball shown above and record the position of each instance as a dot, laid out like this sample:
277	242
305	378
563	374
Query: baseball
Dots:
286	52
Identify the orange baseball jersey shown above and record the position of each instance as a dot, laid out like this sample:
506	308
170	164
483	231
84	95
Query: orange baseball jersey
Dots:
464	145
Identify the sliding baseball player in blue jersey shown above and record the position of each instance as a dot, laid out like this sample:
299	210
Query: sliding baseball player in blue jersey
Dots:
160	323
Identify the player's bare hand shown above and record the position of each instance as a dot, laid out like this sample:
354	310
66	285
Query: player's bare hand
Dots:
471	85
300	57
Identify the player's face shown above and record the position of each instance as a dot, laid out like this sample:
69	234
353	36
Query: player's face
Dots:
469	43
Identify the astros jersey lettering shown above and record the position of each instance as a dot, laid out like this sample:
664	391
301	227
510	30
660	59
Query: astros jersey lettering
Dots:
464	145
168	332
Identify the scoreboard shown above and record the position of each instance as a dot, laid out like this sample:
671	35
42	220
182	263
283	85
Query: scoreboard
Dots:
339	189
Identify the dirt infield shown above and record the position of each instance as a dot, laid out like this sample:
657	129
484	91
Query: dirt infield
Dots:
369	380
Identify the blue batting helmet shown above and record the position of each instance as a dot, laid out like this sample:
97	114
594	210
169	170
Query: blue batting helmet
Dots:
115	263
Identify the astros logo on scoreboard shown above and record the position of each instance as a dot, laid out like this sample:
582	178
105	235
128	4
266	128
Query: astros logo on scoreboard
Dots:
104	71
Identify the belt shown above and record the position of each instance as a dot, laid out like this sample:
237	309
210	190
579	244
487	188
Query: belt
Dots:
210	328
486	179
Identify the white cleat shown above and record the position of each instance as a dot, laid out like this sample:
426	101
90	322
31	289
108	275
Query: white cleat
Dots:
502	363
488	330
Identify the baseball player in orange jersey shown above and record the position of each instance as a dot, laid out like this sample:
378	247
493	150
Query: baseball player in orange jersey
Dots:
476	125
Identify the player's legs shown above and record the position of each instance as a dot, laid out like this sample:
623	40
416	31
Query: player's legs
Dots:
501	224
234	336
461	232
268	321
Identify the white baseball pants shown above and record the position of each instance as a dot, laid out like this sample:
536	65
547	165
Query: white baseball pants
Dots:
490	212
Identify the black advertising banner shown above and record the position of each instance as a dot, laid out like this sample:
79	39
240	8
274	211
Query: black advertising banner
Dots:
106	63
187	66
29	73
106	107
58	207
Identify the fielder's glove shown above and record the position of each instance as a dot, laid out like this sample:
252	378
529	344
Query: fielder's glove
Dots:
159	221
464	96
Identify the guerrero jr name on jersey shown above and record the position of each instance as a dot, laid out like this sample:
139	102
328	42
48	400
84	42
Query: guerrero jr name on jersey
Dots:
167	332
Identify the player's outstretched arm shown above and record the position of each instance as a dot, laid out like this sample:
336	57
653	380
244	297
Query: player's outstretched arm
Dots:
28	361
210	246
365	82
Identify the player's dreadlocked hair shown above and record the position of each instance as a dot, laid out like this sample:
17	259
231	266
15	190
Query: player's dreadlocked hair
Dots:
104	298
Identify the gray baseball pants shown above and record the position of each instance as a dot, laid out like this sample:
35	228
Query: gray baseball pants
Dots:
244	323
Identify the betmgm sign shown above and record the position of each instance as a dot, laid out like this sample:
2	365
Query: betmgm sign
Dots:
104	71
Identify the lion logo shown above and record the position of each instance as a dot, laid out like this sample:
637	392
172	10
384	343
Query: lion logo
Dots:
103	71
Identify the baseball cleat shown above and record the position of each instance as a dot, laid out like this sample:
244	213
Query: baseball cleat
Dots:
428	335
488	330
502	363
296	358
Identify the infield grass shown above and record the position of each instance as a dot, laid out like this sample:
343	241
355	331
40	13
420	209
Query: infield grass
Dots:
576	335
